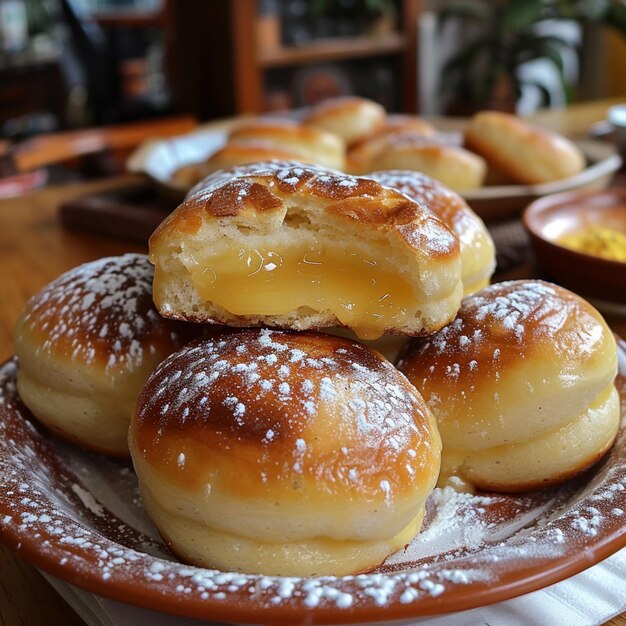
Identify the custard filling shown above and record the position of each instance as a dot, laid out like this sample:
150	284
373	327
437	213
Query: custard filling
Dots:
275	280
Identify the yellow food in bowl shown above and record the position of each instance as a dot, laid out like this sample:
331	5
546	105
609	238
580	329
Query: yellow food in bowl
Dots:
599	241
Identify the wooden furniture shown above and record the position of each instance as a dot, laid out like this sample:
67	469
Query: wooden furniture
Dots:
66	146
33	250
31	83
252	61
217	63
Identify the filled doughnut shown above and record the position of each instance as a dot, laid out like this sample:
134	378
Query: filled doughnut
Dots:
301	248
478	253
523	152
86	344
293	454
521	385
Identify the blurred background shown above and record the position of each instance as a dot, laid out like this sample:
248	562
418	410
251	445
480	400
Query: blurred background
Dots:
71	64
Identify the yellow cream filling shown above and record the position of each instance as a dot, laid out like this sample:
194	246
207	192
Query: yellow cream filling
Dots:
276	280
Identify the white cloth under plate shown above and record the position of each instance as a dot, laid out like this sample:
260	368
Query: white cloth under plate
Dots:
587	599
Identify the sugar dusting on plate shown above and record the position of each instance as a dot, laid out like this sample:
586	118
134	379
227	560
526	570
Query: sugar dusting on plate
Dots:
82	512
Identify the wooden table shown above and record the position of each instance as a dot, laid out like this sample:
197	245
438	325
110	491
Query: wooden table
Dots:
33	250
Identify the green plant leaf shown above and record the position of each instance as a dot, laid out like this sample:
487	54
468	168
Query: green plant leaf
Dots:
553	54
616	16
593	10
469	10
463	59
521	14
546	96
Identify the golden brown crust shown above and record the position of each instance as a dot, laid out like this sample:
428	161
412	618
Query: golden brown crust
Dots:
351	118
438	156
477	248
397	128
310	143
87	343
524	152
279	130
260	128
242	153
521	384
495	324
345	104
100	315
286	406
448	205
399	122
358	200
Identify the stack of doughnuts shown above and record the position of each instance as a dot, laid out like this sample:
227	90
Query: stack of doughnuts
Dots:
522	386
284	453
263	445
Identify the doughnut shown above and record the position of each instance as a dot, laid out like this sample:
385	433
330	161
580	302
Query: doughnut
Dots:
522	386
303	248
231	155
523	152
399	122
478	253
452	165
281	453
86	344
350	118
311	144
361	152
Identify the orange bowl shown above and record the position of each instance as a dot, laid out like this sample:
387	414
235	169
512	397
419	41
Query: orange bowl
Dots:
550	218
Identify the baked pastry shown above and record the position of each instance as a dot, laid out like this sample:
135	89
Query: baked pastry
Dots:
242	153
478	253
521	385
302	248
311	144
282	453
187	176
86	345
398	122
350	118
522	151
231	155
455	167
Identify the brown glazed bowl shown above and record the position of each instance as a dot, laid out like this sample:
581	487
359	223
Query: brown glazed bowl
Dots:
78	516
548	219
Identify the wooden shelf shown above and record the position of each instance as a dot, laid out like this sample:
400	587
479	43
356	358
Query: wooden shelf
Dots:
332	50
129	18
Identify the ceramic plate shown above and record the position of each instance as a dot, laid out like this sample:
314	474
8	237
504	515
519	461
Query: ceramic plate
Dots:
78	516
548	219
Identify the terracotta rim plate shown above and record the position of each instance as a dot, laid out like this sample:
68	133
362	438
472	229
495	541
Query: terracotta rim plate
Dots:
78	516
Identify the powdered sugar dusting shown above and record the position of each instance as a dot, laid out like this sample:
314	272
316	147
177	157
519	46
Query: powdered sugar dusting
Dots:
227	192
274	393
442	201
493	324
100	310
468	541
